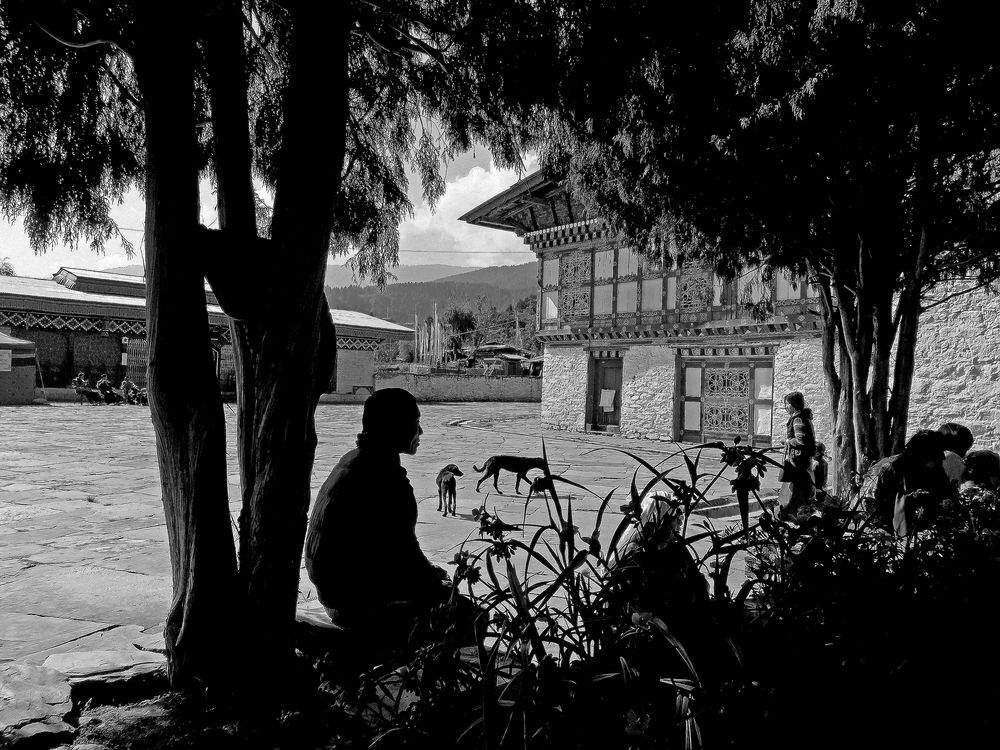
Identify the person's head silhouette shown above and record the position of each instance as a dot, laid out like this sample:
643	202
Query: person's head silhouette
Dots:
391	422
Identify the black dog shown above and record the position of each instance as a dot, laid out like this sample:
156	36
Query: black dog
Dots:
447	492
519	465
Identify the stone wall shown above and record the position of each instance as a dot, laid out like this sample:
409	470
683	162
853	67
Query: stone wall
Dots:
441	387
957	374
648	389
564	388
96	354
354	368
956	378
798	366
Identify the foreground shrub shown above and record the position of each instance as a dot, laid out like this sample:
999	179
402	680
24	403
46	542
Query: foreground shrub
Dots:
841	635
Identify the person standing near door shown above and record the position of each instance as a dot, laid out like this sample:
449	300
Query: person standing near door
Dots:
800	447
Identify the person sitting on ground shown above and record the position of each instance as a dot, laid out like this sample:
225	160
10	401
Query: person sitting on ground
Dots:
918	474
379	584
129	389
957	442
80	381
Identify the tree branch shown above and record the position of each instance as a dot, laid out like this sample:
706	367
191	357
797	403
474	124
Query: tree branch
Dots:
981	285
126	92
79	45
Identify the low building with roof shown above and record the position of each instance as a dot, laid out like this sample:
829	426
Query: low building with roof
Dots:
17	371
94	322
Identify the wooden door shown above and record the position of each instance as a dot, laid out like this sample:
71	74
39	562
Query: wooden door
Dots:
725	399
606	407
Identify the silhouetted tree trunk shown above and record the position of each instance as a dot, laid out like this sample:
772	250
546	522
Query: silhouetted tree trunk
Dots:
284	340
185	402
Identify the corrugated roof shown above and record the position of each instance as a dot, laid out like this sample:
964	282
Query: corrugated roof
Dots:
12	342
52	291
86	273
48	289
361	320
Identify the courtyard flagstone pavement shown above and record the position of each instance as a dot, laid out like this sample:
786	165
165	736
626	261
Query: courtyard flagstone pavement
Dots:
83	544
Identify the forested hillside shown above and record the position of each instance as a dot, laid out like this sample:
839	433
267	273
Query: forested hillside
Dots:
399	302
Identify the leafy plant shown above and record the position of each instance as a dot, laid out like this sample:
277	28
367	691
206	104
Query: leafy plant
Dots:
639	634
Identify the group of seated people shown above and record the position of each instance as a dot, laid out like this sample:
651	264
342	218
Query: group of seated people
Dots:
104	391
936	473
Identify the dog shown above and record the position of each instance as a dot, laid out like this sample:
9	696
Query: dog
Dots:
447	492
519	465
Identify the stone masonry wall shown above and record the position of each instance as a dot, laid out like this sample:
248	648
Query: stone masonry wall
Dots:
444	387
354	368
956	378
648	387
957	374
564	388
798	366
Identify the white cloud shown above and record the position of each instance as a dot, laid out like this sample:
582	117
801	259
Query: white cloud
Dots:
428	232
421	238
130	217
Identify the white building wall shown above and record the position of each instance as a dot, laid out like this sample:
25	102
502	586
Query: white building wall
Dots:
956	377
648	388
798	366
957	373
564	387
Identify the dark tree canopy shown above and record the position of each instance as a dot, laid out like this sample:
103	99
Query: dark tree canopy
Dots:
856	142
327	105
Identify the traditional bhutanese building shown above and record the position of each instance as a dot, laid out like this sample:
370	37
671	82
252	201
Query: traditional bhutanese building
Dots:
95	322
655	350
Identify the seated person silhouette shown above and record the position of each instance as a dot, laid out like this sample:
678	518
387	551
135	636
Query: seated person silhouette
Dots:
361	549
129	389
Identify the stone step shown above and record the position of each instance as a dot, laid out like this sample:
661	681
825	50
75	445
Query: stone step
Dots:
726	507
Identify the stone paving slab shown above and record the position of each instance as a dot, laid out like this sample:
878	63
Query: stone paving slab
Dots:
23	634
83	541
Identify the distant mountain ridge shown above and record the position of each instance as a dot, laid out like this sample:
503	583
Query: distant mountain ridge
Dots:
510	278
341	276
399	301
502	277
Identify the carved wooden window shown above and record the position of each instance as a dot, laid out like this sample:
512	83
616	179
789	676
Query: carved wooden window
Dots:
726	400
724	382
602	299
550	272
695	287
574	268
574	302
604	264
726	418
671	292
652	294
550	306
627	292
628	263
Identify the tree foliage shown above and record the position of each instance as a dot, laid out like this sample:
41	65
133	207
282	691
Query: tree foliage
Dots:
855	142
99	97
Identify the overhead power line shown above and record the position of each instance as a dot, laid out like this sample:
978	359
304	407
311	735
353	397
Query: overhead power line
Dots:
417	252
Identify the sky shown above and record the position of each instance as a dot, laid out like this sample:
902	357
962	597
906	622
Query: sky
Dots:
426	238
